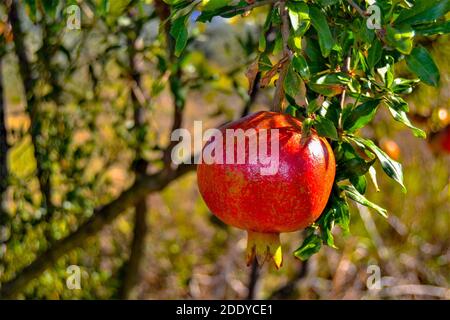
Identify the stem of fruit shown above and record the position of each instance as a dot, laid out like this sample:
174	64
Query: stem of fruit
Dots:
264	247
287	54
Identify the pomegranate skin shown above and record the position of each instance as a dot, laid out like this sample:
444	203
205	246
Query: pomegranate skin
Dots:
445	142
289	200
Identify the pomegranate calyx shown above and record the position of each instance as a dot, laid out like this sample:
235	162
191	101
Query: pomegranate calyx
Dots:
264	247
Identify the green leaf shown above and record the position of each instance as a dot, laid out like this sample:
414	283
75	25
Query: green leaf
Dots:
32	9
360	116
310	246
392	168
319	22
400	39
342	215
424	11
316	62
403	86
433	28
313	106
360	183
180	33
292	82
291	110
50	7
326	223
301	66
421	63
326	3
330	84
375	52
325	128
353	194
299	17
262	43
355	166
215	4
401	116
387	71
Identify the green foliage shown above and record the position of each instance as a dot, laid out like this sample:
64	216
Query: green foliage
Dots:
341	56
421	63
94	95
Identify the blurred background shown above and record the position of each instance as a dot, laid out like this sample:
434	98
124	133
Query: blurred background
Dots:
87	109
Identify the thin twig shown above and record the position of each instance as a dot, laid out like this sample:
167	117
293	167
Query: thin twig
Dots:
247	8
357	8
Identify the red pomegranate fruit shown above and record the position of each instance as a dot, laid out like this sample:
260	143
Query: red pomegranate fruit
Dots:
445	141
440	141
265	204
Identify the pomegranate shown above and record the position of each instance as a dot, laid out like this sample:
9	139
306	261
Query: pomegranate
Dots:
445	140
265	205
440	141
391	148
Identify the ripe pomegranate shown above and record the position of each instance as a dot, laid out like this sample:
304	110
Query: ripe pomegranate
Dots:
440	141
391	148
266	205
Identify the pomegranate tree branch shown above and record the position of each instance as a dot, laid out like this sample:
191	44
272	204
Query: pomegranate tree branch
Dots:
247	7
100	218
253	281
279	90
32	109
357	8
175	78
3	142
138	102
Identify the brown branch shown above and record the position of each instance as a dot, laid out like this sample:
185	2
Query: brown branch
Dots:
247	8
137	249
140	167
357	8
101	217
163	11
253	281
3	142
31	103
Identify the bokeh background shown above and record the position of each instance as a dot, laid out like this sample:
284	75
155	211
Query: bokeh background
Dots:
88	86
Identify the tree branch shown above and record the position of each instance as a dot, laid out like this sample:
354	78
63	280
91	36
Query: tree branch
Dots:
31	103
3	142
253	281
137	249
101	217
140	167
357	8
248	7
